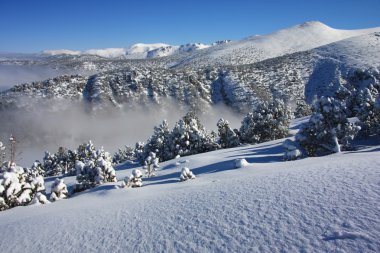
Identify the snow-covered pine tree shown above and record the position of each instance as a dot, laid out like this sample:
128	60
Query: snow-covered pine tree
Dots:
93	167
178	141
186	174
2	153
16	188
151	164
292	150
139	151
189	137
105	171
123	155
268	121
58	190
156	143
51	165
375	127
363	107
36	170
227	136
302	109
135	180
328	130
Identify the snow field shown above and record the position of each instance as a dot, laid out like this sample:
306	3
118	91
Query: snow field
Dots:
311	205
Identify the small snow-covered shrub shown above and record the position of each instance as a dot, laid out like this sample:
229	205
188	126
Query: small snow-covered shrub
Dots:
135	180
292	151
328	130
186	174
58	190
151	164
39	199
240	163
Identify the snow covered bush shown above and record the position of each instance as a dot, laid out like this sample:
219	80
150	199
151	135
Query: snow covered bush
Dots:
156	143
39	199
328	130
58	190
151	164
240	163
128	154
36	170
51	165
302	109
139	151
292	150
93	168
189	137
17	188
186	174
268	121
227	137
60	163
135	180
363	107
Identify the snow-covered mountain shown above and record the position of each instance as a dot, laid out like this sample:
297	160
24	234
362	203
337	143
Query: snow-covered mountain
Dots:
296	63
136	51
260	47
321	204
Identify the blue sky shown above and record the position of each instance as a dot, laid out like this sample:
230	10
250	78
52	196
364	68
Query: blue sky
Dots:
35	25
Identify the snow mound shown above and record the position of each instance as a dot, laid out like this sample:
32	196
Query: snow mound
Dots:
240	163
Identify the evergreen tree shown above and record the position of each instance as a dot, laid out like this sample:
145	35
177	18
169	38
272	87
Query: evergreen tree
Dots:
268	121
156	143
93	167
227	137
128	154
17	188
189	137
328	130
58	190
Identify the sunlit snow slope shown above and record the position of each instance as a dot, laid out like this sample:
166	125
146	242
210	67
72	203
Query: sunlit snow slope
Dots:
326	204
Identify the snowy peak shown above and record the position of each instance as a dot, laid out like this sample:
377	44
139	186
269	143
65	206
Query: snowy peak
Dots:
257	48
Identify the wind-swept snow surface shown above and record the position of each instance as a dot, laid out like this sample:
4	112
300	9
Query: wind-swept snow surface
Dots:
327	204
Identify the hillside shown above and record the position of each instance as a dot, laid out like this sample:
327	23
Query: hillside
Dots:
320	204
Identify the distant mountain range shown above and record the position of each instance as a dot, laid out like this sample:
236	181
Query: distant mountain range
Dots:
297	63
137	51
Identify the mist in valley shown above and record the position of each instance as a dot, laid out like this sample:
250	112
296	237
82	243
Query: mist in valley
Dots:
68	124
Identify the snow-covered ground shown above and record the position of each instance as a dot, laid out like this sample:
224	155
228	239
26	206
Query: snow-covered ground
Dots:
325	204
